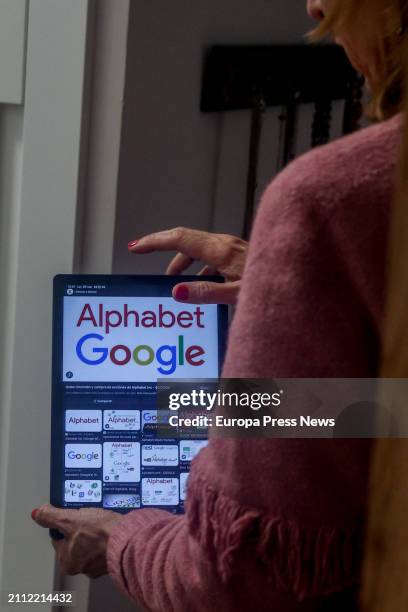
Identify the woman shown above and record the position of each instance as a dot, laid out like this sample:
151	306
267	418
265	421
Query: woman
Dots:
277	524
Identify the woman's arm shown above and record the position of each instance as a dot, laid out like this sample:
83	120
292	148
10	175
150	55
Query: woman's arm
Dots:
157	561
271	521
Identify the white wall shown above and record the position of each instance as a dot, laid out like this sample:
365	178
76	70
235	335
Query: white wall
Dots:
13	25
40	147
178	166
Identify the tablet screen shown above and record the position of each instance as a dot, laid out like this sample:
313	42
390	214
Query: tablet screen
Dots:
114	338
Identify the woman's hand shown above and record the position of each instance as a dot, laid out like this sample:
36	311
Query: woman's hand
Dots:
86	531
222	254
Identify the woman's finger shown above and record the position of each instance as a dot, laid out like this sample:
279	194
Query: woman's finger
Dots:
204	292
195	244
208	271
55	518
179	263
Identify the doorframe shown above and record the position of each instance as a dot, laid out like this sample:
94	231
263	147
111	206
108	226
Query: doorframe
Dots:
62	219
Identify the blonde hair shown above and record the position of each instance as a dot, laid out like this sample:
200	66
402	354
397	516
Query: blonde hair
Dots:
388	94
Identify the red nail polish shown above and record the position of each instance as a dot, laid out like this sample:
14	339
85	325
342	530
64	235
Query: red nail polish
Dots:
132	244
181	293
34	513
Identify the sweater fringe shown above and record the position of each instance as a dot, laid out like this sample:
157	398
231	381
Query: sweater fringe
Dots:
309	562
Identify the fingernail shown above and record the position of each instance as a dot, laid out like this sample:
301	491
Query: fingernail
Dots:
181	293
132	244
34	513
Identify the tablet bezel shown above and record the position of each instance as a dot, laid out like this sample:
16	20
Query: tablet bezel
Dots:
157	286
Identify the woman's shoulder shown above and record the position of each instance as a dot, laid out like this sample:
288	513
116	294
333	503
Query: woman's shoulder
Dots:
361	165
360	155
368	140
332	205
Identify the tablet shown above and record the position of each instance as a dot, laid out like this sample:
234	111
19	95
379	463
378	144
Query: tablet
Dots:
114	338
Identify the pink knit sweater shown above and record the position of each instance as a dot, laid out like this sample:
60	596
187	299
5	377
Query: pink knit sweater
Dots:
279	524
